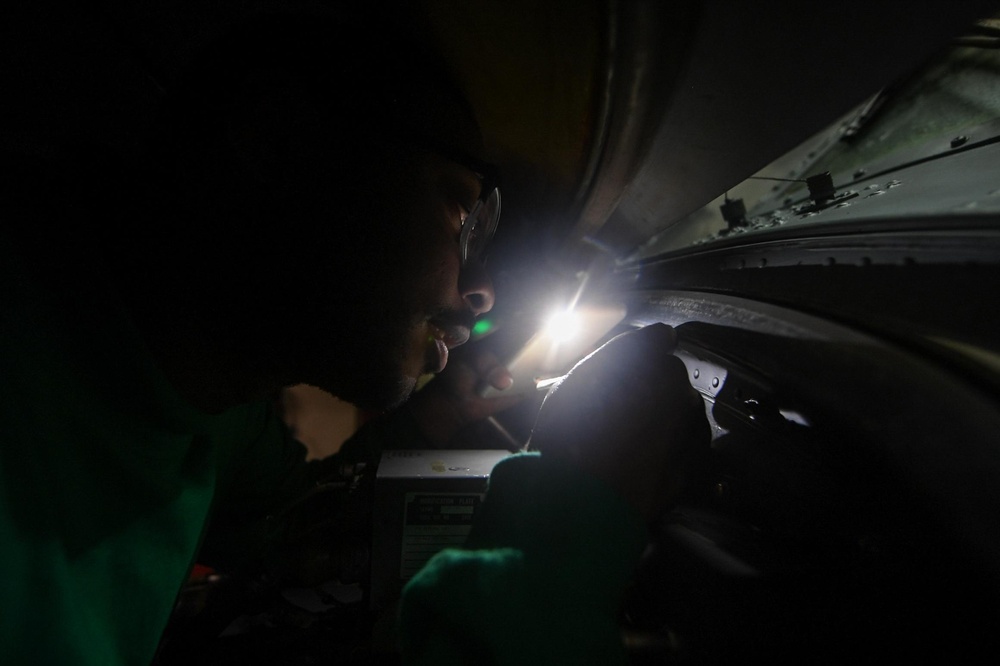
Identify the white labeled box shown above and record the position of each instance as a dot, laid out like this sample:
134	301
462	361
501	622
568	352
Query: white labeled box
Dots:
425	501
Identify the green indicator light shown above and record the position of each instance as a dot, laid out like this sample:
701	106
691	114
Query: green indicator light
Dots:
482	327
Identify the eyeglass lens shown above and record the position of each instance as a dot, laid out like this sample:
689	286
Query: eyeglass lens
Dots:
480	226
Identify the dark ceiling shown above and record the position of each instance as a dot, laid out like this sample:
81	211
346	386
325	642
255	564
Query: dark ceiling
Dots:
610	119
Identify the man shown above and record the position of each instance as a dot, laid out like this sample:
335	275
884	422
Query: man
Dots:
310	210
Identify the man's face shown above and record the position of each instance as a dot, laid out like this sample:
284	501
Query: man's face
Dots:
447	296
412	300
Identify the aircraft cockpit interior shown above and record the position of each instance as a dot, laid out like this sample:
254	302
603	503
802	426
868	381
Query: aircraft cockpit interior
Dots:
808	193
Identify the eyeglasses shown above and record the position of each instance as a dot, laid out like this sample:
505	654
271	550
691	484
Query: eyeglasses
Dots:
481	222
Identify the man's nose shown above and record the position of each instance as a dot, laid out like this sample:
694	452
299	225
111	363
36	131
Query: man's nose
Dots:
476	288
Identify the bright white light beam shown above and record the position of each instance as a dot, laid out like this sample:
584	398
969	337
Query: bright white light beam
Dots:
563	326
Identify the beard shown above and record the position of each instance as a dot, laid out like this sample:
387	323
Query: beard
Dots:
356	352
345	302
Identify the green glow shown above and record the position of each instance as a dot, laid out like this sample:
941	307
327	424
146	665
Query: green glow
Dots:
482	327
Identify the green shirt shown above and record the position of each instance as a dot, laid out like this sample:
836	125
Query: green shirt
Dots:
107	477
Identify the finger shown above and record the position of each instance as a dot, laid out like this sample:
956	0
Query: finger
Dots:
500	378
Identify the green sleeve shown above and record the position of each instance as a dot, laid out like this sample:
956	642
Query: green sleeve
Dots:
265	481
539	580
260	476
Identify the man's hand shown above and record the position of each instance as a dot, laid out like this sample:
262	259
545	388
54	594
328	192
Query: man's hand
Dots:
627	414
450	401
